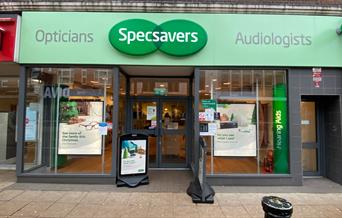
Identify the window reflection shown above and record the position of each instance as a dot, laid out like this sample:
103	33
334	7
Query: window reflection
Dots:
64	107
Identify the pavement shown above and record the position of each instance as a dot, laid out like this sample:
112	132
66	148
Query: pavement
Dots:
164	197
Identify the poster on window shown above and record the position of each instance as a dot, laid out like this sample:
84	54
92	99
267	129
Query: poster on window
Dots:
236	132
133	157
30	125
151	113
79	128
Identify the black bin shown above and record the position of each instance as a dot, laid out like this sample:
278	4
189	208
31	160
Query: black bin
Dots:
275	207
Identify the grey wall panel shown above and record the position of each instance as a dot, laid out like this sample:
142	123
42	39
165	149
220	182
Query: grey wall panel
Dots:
72	179
329	96
333	140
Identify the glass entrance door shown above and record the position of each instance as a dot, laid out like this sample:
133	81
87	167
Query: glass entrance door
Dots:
164	121
310	142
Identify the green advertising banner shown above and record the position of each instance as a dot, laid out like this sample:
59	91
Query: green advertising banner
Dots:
280	130
179	39
209	103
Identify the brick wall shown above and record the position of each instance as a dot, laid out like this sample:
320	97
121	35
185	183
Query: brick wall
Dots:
254	2
320	7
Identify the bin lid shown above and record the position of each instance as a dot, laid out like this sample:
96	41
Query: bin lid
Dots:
277	203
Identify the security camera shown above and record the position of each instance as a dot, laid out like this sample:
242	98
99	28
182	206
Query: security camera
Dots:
339	30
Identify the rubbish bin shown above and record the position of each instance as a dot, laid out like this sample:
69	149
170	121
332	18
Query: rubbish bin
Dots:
275	207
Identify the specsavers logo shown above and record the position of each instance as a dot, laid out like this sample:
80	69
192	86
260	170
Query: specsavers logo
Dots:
142	37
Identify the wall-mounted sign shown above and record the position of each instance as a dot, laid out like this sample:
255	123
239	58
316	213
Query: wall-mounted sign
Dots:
79	128
9	39
317	77
142	37
160	91
233	39
280	131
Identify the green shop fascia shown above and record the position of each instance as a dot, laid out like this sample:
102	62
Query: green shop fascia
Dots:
211	40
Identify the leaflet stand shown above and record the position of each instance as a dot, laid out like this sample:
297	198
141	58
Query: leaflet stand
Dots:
132	160
199	190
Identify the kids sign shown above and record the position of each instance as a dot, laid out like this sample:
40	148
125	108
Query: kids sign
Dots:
142	37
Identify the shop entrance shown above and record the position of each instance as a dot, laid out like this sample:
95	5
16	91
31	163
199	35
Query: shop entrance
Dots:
320	127
161	107
165	120
311	143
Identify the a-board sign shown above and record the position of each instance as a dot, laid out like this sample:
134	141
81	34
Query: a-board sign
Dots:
133	153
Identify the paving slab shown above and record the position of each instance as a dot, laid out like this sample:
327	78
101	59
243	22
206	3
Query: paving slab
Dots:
110	211
72	197
8	208
166	197
94	198
158	211
189	211
7	178
83	210
58	210
9	194
32	209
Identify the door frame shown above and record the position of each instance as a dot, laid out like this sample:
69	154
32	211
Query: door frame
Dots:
319	116
158	132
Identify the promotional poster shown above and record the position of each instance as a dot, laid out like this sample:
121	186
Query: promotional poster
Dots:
79	128
30	125
151	113
236	132
133	157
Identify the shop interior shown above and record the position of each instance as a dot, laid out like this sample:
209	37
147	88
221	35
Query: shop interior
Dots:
242	96
9	92
68	104
61	101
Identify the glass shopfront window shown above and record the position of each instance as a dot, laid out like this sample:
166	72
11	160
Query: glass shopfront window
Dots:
9	88
243	118
68	120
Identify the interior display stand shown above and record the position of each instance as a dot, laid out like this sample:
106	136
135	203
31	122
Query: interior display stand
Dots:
132	173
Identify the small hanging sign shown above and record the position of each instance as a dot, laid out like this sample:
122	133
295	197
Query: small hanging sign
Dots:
103	128
317	77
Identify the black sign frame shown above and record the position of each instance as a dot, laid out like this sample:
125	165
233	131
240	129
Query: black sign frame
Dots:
129	137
